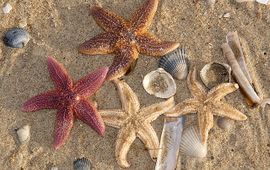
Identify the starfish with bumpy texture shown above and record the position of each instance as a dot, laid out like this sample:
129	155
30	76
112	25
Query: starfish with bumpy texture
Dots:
206	104
134	122
70	100
126	39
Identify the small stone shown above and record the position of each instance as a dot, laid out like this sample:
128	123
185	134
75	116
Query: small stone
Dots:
7	8
16	38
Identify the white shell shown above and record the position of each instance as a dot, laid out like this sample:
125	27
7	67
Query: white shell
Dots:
159	83
7	8
225	123
175	63
23	134
191	144
215	73
265	2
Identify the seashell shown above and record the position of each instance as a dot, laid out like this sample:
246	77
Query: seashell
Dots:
82	164
54	168
265	2
191	144
159	83
16	38
6	8
225	123
215	73
175	63
23	134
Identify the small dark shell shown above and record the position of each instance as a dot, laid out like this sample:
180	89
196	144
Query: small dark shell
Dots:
82	164
16	38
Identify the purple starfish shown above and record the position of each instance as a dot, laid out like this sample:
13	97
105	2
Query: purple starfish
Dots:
70	100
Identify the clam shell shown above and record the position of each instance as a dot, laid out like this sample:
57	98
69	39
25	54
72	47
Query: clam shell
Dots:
82	164
175	63
159	83
215	73
23	134
191	144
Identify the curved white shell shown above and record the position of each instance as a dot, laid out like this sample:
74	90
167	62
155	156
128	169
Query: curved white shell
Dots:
175	63
159	83
191	144
23	134
215	73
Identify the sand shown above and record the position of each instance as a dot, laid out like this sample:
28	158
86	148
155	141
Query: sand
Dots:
58	27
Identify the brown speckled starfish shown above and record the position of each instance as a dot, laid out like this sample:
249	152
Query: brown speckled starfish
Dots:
206	104
126	38
70	100
133	122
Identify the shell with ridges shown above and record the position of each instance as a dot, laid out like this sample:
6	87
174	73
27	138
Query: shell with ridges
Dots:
82	164
191	144
175	63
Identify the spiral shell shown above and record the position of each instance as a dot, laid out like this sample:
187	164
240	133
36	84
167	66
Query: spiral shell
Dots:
175	63
82	164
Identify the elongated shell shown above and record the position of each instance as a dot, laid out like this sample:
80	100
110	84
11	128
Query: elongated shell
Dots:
191	144
82	164
215	73
159	83
23	134
175	63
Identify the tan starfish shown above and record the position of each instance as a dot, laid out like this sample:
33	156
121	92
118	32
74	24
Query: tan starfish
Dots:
126	39
206	104
134	122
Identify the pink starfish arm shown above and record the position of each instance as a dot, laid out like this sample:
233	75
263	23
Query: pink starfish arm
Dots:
48	100
91	83
107	20
101	44
59	75
64	123
88	114
150	45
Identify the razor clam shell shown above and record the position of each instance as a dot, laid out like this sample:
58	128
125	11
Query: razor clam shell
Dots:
82	164
23	134
215	73
191	144
153	76
169	144
175	63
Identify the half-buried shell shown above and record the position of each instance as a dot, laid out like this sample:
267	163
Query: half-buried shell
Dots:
23	134
159	83
175	63
82	164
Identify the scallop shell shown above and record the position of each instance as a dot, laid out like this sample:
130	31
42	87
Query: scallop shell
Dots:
82	164
23	134
215	73
175	63
225	123
159	83
191	144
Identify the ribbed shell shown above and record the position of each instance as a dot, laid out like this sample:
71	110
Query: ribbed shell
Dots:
82	164
175	63
191	144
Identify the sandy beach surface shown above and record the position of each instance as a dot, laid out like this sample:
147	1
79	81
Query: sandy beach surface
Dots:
58	27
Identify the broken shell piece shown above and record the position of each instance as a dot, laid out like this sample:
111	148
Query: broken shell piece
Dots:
215	73
159	83
175	63
225	123
82	164
6	8
191	144
23	134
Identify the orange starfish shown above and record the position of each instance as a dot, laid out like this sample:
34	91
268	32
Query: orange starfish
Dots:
126	39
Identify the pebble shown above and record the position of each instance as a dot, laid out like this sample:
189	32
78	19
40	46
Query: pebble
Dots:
16	38
7	8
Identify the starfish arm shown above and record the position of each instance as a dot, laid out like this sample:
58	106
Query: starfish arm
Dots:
122	63
88	114
88	85
49	100
59	75
149	45
183	108
108	20
129	100
114	118
142	18
100	44
218	92
225	110
125	138
152	112
195	88
64	123
205	123
149	137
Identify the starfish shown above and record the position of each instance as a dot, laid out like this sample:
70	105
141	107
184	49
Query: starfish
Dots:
126	39
206	104
70	100
134	122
